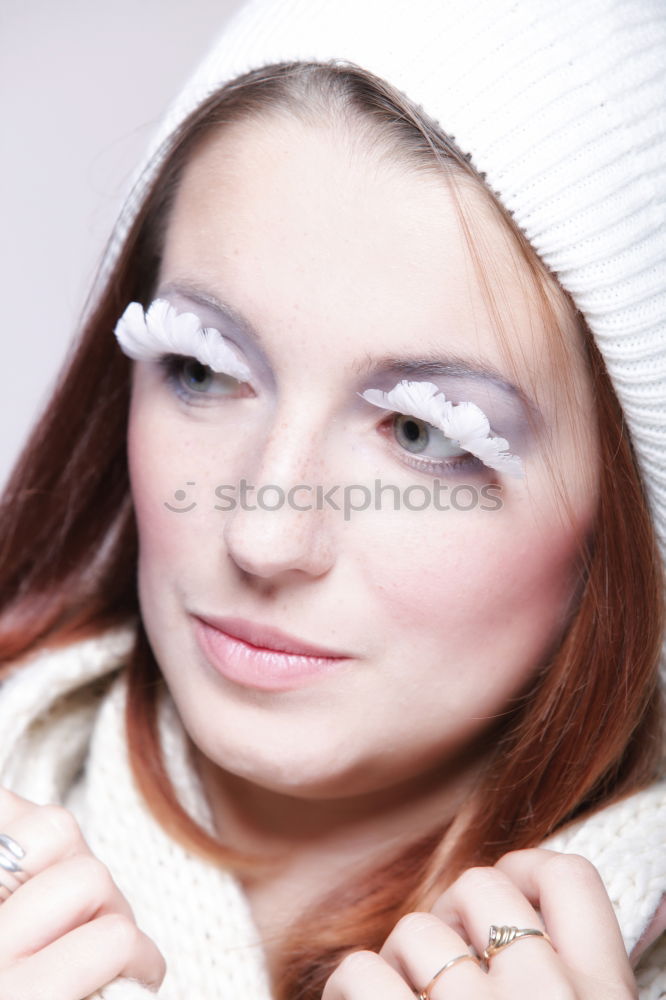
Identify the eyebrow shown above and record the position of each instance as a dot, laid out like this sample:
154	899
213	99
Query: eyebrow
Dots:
424	367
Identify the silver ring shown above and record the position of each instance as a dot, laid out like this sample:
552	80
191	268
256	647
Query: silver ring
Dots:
9	852
10	844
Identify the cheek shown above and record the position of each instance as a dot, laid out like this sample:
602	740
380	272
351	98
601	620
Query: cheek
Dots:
163	482
474	581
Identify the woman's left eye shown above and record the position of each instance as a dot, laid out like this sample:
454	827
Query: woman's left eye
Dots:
433	451
189	378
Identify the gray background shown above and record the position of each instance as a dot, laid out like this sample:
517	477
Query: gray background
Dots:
82	86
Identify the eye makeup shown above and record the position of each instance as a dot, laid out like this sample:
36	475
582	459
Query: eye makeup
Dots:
161	329
464	424
167	336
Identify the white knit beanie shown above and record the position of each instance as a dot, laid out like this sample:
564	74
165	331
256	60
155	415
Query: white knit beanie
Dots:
560	103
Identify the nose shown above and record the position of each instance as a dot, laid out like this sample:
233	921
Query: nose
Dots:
279	527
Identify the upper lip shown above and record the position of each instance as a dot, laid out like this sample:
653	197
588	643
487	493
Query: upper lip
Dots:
267	637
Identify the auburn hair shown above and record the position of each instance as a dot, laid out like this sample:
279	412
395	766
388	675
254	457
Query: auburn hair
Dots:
587	729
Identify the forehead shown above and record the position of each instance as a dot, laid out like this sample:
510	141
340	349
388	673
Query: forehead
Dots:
322	240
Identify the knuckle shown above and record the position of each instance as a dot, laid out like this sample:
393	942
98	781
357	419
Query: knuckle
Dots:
347	972
94	877
573	868
356	961
476	879
63	822
414	921
124	932
520	852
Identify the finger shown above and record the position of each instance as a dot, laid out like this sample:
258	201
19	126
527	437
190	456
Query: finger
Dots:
483	897
12	873
420	945
46	834
54	902
85	960
363	975
575	907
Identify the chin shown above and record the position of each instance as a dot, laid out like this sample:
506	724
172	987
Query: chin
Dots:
287	774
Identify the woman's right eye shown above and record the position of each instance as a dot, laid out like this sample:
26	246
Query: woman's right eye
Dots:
189	378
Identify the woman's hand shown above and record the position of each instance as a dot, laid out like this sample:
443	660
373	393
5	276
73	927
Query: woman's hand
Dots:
562	894
65	930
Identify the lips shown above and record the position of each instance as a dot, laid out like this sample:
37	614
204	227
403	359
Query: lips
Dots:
268	637
262	657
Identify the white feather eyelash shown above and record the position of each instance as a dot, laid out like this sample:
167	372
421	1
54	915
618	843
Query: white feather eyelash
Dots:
465	423
146	335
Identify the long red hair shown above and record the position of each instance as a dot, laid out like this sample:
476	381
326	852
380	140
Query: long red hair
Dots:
587	729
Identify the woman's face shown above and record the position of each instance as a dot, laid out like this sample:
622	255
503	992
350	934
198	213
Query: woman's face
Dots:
334	260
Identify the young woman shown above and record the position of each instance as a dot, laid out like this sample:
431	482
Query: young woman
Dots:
332	574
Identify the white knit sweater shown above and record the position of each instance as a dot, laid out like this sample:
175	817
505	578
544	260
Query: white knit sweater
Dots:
62	740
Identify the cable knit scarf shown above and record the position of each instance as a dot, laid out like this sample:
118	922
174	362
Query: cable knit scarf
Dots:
62	739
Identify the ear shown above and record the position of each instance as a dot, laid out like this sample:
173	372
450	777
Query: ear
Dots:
656	927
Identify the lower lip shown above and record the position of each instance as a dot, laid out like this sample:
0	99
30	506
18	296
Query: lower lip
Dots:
255	667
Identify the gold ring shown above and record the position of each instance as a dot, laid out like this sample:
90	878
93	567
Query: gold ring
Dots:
425	993
502	937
